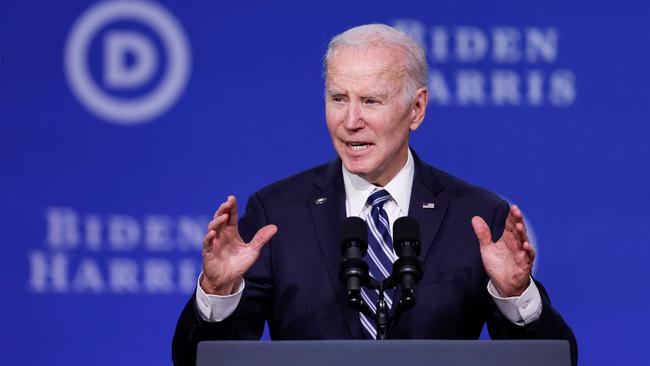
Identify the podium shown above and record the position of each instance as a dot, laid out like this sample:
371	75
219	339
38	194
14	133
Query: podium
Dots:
385	353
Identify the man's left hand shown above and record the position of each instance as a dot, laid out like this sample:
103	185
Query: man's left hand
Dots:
509	260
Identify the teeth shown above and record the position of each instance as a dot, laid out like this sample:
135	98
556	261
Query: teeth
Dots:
358	147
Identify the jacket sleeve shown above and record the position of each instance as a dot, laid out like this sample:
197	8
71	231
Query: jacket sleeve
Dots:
550	324
247	322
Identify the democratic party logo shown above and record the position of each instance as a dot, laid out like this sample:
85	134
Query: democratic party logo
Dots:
127	62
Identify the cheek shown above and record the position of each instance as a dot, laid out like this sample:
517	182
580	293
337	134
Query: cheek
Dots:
332	118
386	128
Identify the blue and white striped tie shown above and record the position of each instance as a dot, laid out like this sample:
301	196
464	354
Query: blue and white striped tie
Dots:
380	256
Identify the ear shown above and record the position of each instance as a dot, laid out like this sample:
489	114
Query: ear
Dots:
419	108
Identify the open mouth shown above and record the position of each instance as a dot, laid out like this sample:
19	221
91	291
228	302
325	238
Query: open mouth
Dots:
358	146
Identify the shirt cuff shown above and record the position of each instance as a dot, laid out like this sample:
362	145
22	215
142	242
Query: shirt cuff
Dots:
520	310
215	308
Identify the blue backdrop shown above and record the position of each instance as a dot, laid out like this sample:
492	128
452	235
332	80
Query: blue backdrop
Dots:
123	125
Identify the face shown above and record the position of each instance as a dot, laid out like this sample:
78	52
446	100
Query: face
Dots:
368	117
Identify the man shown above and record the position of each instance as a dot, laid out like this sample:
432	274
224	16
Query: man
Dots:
280	263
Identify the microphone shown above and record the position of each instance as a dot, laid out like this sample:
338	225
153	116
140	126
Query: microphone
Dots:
407	268
354	270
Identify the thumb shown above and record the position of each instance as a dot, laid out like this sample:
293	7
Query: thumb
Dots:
482	231
263	235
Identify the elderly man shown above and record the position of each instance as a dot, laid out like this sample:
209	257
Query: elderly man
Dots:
280	262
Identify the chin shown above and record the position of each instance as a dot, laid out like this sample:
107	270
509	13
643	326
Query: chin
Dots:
357	167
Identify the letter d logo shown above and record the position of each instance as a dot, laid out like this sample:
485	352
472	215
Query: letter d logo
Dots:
130	61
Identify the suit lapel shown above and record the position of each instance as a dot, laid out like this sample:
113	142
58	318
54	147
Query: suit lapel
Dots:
426	190
328	212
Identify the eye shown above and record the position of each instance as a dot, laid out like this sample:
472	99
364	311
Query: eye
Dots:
337	98
371	101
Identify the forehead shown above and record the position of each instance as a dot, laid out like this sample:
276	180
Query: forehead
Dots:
365	66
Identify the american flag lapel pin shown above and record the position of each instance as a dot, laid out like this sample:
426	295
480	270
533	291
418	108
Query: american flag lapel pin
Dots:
320	201
428	205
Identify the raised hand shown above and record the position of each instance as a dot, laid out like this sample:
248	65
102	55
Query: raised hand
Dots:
509	260
225	255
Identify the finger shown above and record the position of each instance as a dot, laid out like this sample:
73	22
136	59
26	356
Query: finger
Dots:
530	251
482	231
522	233
515	225
511	241
210	240
520	224
233	210
512	218
511	221
517	215
220	222
263	235
212	224
510	235
522	257
207	240
222	208
516	212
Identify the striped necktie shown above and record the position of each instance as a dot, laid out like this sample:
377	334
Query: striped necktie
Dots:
380	256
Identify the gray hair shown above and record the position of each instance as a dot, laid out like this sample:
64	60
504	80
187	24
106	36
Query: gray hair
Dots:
372	35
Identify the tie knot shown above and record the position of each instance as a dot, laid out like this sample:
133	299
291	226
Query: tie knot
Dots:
378	198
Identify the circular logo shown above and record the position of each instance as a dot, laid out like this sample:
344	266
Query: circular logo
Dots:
141	108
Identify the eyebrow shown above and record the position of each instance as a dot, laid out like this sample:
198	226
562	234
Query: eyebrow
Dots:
365	95
374	95
334	91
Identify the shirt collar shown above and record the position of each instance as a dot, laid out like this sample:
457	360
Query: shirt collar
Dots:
357	189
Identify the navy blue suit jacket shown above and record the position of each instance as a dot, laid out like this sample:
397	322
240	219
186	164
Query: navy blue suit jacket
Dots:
294	284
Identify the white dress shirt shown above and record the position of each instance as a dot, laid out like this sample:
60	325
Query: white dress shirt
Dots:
520	310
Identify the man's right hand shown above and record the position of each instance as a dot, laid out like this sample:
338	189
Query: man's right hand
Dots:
225	255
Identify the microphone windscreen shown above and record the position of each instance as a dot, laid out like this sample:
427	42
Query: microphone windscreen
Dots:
406	229
354	229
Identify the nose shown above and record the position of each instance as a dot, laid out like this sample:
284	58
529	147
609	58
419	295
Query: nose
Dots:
353	118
